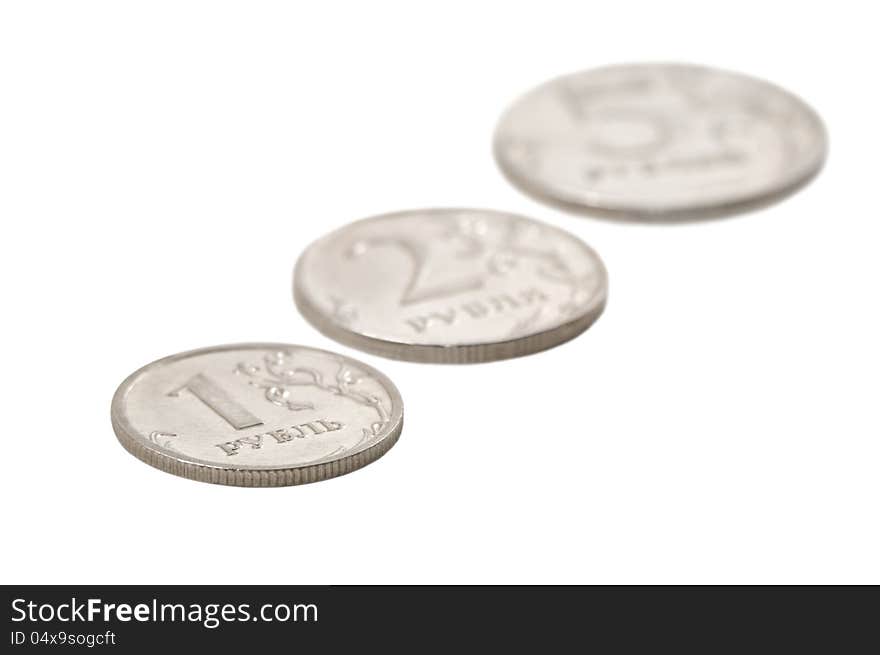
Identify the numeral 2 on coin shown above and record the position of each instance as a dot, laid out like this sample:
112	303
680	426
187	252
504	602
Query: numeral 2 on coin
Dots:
419	288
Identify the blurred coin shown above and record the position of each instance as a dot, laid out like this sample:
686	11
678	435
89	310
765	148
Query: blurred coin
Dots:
450	285
257	415
659	141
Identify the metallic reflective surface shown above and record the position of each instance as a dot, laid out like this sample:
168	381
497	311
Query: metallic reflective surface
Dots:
659	141
450	285
257	415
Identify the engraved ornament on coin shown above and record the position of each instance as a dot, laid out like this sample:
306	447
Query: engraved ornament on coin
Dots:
257	415
450	285
659	141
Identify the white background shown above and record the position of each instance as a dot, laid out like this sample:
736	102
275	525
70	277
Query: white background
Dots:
162	164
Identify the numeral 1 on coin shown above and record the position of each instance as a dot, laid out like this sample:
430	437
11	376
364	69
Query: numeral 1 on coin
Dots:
219	402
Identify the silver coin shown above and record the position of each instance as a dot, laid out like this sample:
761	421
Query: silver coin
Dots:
450	285
257	415
659	141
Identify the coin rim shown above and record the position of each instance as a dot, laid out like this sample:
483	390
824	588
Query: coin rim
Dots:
250	475
617	207
467	353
